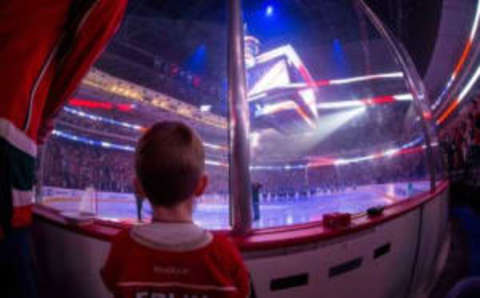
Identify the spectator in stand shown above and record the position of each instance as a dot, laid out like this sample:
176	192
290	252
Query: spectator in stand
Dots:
459	141
475	147
464	145
186	260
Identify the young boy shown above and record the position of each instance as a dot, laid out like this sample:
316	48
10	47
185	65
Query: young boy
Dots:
172	257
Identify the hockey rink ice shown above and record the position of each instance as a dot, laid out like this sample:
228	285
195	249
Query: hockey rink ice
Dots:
279	211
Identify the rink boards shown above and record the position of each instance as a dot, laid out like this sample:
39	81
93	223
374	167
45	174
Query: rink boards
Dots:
212	210
397	255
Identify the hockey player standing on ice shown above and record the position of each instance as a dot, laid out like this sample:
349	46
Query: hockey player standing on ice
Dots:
139	198
46	48
256	200
171	256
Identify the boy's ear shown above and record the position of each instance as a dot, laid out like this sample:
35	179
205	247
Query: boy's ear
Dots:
138	187
201	185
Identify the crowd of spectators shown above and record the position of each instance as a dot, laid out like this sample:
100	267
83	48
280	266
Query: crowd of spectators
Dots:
168	83
461	141
170	70
76	166
73	165
137	117
68	120
336	178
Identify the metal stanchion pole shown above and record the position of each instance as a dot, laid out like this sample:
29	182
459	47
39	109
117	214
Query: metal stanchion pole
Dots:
240	189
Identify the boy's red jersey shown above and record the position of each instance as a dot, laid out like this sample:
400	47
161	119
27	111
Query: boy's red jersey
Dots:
135	269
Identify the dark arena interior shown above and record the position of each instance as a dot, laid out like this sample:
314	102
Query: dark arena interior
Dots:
339	140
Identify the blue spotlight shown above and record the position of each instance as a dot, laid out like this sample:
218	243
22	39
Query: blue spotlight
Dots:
269	11
197	62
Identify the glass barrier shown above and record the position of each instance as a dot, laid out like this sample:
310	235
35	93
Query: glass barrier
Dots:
334	126
337	119
167	62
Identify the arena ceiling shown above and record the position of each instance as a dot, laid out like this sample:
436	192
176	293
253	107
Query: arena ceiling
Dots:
155	26
409	19
173	31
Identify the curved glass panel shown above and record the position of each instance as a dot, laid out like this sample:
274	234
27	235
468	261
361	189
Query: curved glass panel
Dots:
333	122
167	62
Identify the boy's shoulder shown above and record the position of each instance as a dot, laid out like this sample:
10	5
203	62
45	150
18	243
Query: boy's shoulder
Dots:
171	237
224	241
224	247
184	240
122	241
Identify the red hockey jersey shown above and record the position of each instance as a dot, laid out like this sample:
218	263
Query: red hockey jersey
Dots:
171	260
46	47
